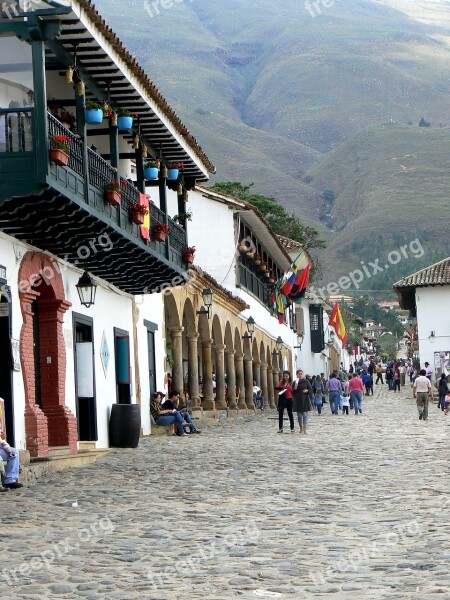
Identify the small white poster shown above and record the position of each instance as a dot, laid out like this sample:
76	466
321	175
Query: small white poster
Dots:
15	348
104	354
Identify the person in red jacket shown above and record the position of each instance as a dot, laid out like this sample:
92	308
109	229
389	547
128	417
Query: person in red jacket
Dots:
285	401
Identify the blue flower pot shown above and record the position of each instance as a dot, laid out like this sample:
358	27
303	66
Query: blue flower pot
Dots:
172	173
151	173
94	116
124	123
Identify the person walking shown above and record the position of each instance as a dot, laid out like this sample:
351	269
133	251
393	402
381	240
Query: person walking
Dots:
355	385
335	389
422	391
379	372
443	390
397	379
368	383
302	403
390	377
410	372
285	401
402	370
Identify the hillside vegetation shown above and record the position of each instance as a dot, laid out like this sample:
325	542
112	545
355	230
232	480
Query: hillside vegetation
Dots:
277	97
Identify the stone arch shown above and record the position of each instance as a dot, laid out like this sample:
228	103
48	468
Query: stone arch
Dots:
43	305
190	356
262	354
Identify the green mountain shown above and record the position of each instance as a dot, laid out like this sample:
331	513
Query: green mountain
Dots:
278	94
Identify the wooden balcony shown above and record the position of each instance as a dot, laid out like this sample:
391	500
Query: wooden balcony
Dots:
62	209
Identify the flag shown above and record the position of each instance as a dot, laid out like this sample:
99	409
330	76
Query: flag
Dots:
280	307
301	283
145	228
337	322
288	280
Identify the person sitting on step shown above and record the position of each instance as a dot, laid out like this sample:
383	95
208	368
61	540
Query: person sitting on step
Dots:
11	456
168	413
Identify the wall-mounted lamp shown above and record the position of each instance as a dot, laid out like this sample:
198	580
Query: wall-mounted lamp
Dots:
207	295
432	334
86	288
250	329
300	338
279	344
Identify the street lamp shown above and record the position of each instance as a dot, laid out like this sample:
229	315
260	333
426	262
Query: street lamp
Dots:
207	295
86	288
300	338
279	344
250	329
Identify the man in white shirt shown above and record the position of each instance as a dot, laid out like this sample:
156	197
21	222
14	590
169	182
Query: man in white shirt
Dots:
428	370
422	391
258	398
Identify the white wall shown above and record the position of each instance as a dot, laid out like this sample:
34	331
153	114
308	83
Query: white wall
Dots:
111	309
312	363
433	315
150	308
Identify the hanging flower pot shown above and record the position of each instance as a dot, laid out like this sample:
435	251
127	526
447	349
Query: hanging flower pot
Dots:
112	193
93	113
124	122
151	169
160	231
270	280
188	254
173	170
59	149
257	259
263	267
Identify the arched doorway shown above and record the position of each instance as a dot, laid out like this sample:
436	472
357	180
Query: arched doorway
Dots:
48	422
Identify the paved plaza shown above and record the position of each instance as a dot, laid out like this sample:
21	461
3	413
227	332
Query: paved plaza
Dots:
359	508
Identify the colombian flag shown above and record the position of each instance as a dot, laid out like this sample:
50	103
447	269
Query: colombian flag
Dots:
301	283
337	322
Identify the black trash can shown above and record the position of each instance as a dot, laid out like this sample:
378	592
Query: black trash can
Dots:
125	425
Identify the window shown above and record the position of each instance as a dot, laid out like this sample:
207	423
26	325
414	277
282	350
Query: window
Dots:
316	326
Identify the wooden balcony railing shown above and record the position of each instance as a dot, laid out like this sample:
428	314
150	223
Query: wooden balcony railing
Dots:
16	130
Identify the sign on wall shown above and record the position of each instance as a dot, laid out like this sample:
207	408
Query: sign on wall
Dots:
15	349
442	363
105	354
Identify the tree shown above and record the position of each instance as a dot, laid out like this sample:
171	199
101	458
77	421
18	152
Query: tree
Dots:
279	219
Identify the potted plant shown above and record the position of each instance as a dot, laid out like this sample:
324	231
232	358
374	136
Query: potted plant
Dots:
250	254
113	192
151	169
257	259
59	149
183	217
138	212
173	169
93	113
263	267
188	254
124	120
160	231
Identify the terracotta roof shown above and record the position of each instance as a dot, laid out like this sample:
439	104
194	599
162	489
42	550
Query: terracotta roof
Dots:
219	289
437	274
144	80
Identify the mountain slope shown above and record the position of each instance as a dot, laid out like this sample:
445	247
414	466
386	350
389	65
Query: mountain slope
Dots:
269	90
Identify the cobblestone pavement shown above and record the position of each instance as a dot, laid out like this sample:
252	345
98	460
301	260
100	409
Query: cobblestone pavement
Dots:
356	509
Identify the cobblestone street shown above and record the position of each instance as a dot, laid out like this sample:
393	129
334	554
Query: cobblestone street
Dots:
356	509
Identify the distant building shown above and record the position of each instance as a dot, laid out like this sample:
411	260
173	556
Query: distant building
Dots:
426	294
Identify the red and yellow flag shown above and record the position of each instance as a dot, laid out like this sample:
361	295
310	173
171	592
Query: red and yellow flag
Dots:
337	322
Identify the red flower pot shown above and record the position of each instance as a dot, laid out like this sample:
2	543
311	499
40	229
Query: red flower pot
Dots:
271	280
112	198
137	217
188	258
263	268
160	236
59	157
